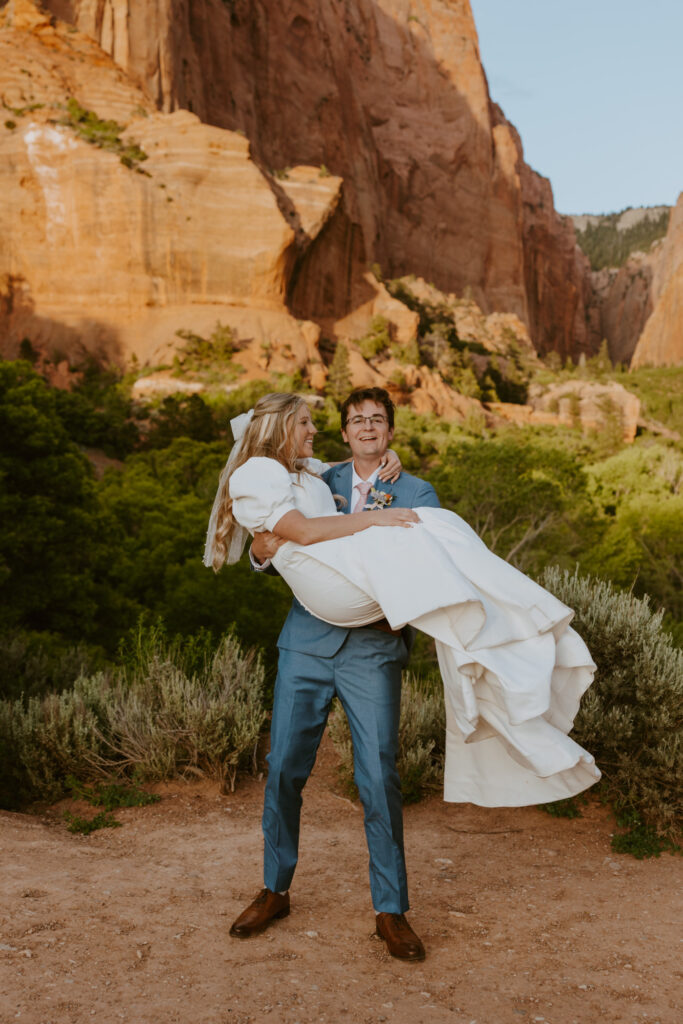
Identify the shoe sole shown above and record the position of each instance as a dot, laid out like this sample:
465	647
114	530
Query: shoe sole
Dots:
257	931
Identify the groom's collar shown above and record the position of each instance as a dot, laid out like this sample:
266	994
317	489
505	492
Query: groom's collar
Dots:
356	479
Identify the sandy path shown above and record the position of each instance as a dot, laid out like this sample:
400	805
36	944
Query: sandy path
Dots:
525	918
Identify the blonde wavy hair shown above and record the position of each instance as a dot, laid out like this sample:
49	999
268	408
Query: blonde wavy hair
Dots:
269	435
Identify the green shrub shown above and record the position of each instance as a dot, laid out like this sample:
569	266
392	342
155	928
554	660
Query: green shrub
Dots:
339	375
33	664
630	719
144	720
639	839
207	358
48	739
377	339
111	794
103	134
85	826
187	416
421	739
99	412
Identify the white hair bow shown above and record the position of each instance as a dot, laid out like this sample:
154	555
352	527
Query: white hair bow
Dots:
238	425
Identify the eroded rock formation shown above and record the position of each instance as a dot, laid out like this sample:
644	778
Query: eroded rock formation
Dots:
391	96
588	405
114	238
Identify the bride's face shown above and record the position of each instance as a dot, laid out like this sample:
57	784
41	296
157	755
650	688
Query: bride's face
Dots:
303	433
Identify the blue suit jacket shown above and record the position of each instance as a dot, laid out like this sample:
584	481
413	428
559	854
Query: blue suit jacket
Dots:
304	632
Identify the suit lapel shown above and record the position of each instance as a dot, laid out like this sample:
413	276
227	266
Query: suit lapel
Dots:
341	484
346	476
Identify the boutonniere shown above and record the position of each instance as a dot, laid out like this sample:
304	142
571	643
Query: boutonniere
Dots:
380	499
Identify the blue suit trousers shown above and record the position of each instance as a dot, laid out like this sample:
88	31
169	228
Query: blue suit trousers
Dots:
365	674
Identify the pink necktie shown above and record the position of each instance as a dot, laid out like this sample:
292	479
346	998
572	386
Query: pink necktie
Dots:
363	491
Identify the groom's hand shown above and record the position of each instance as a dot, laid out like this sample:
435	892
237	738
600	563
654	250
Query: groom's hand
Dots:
264	546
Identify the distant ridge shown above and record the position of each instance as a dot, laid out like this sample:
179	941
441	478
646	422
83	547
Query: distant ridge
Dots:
627	218
609	239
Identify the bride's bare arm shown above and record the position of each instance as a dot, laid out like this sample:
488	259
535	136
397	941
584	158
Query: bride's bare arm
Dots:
295	526
389	468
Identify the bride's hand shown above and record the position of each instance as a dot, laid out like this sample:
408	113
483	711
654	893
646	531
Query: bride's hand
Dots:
265	546
390	467
394	517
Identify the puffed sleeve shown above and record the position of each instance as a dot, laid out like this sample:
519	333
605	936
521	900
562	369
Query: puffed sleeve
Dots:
261	492
316	466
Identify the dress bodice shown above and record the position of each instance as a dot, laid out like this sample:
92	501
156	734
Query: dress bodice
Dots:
263	491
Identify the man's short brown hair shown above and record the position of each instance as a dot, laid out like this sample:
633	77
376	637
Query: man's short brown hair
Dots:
360	395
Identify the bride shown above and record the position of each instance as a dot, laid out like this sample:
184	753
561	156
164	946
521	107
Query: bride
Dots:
512	667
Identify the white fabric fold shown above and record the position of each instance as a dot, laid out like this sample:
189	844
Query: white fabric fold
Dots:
513	668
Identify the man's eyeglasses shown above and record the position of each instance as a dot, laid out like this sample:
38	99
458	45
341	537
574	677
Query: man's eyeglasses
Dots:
372	421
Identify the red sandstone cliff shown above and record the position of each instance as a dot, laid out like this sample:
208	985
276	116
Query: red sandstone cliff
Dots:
391	96
114	244
661	343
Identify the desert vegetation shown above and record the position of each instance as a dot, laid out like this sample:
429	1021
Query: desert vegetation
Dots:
105	134
124	658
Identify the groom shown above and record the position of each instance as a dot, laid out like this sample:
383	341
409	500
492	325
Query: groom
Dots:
360	666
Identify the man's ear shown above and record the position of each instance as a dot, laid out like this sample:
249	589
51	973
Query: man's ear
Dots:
345	437
390	434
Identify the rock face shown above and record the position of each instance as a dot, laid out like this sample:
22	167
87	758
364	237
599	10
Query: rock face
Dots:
578	403
557	277
592	406
391	96
171	225
623	301
661	342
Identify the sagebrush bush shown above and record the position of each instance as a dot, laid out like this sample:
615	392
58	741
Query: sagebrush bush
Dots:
421	739
164	722
150	719
630	719
48	738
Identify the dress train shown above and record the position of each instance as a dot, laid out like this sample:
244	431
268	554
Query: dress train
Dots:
513	668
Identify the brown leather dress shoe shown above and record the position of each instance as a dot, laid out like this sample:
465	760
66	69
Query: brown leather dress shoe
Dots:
401	940
267	907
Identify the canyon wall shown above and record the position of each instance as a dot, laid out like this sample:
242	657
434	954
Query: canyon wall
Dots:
661	342
391	96
120	230
622	303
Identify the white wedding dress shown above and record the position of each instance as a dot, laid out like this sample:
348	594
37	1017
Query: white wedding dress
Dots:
513	669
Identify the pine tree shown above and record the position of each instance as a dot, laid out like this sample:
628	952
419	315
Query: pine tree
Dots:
339	375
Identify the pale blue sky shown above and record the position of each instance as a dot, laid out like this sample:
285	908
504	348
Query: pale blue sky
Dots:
595	89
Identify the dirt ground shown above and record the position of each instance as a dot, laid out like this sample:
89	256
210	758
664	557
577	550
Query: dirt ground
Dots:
525	918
